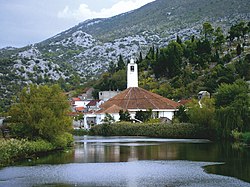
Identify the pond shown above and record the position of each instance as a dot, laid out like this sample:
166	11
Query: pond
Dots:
134	162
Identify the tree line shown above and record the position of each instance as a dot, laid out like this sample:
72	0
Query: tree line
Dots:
216	61
183	68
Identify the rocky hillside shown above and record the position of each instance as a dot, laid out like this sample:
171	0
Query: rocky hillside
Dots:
87	49
91	45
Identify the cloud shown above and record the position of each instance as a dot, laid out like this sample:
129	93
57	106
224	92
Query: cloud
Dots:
83	12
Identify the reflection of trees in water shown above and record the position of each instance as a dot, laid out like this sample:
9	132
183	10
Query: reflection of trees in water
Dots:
237	162
236	159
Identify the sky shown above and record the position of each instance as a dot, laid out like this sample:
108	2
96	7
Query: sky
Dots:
25	22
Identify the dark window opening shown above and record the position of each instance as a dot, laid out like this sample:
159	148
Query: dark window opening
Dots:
132	68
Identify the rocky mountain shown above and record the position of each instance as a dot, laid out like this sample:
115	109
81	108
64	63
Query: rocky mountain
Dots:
91	45
88	48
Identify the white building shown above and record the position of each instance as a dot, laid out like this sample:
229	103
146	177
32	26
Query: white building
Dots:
135	99
106	95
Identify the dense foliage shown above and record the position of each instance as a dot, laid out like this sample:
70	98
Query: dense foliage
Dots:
143	116
124	116
232	103
13	149
202	112
41	112
183	68
151	130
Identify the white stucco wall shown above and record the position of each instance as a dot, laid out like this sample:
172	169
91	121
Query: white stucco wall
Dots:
168	114
81	103
132	75
100	117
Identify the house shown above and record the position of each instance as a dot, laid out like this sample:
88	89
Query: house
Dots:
113	110
78	104
135	99
87	94
94	105
79	109
106	95
203	94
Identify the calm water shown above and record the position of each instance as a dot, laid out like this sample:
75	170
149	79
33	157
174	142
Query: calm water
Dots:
135	161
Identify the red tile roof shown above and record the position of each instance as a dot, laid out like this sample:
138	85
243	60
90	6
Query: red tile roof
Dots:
76	99
138	98
184	101
111	110
93	102
79	108
73	114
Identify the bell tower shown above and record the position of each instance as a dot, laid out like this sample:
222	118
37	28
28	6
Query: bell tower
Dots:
132	74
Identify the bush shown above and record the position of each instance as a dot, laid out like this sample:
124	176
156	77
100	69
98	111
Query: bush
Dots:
13	149
246	137
80	132
63	140
151	130
236	135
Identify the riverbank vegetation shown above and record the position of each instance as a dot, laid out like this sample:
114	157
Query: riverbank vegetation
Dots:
12	150
38	122
151	130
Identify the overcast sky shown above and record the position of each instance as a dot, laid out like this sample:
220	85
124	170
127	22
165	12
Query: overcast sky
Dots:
24	22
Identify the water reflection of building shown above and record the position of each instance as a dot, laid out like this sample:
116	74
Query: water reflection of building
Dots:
97	152
121	152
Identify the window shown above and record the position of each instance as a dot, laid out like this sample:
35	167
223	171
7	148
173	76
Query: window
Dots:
132	68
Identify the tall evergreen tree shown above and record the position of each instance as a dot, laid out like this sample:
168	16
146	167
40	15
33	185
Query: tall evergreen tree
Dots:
207	30
120	63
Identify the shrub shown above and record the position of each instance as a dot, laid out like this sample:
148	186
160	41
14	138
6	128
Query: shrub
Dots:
246	137
63	140
80	132
13	149
151	130
236	135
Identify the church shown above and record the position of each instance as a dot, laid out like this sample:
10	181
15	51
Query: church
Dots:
135	99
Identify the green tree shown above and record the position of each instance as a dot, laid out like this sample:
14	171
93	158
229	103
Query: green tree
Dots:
178	40
108	119
202	114
41	112
238	50
207	30
143	115
181	114
120	63
112	67
124	116
239	30
243	67
169	62
219	39
232	107
119	80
